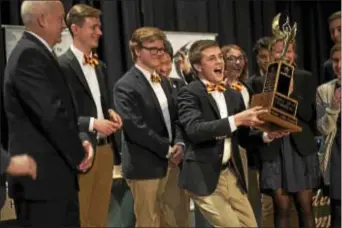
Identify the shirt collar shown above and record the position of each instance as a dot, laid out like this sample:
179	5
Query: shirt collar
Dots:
146	73
41	40
79	55
205	81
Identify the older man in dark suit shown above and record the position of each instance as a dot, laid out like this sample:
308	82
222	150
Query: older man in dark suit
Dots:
42	122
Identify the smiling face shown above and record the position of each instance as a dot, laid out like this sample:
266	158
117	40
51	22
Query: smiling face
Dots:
165	66
52	21
149	54
234	63
277	49
335	30
263	59
85	25
89	32
211	66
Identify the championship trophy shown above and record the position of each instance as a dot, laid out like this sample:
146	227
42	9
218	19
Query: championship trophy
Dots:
281	115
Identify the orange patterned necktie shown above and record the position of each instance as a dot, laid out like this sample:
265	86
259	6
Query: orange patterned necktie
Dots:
236	86
91	60
155	78
220	87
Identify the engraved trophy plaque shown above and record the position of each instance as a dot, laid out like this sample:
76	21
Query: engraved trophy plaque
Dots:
275	98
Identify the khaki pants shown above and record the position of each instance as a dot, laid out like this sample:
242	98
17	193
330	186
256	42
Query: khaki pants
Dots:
95	188
228	205
8	210
244	161
175	203
160	202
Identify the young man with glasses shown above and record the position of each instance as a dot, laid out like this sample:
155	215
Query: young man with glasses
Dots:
151	138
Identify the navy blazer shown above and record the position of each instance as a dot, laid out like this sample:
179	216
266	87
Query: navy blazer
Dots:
145	141
205	133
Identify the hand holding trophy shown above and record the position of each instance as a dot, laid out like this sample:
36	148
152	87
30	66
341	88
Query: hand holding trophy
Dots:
278	85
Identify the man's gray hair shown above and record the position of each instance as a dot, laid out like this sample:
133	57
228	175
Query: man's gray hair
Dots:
30	9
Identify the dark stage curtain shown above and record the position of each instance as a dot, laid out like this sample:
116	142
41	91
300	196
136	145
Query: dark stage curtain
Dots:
241	22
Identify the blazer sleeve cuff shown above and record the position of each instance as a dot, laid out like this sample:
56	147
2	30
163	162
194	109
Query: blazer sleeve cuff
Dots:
91	124
5	160
232	124
266	138
169	153
180	143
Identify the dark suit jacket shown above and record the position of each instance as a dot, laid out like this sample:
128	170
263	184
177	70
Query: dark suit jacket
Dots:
85	103
145	143
205	133
177	83
255	84
305	93
42	122
328	73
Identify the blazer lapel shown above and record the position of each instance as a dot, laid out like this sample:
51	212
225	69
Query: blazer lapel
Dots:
29	36
149	91
229	102
75	65
211	101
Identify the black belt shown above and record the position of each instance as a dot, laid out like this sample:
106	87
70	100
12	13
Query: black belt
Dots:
227	165
102	141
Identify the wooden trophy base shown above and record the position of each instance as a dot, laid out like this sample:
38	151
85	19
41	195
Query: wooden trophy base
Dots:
276	119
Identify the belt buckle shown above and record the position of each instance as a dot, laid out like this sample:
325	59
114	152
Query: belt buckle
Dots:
102	141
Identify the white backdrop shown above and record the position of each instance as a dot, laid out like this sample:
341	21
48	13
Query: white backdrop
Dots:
179	39
14	33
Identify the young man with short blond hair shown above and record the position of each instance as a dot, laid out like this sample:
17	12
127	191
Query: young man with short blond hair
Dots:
87	77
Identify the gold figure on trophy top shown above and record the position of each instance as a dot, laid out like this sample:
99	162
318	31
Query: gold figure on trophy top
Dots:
287	34
275	98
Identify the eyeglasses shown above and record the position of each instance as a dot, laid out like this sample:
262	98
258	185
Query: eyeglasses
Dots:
154	50
234	59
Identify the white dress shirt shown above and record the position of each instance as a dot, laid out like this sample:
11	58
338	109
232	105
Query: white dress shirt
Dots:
245	96
91	77
223	108
41	40
160	94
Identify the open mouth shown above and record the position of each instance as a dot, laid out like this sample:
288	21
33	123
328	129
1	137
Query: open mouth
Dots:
218	71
